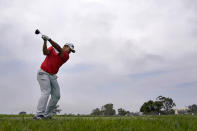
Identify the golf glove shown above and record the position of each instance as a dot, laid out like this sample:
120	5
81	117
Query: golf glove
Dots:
44	37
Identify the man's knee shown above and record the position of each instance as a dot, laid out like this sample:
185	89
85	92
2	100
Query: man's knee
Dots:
46	92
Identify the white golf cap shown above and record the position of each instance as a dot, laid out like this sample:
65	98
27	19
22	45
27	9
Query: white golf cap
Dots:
71	47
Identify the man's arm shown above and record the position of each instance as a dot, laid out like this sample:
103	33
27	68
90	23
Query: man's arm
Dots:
54	44
44	49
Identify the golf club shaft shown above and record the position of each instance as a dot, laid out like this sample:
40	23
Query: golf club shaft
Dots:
41	34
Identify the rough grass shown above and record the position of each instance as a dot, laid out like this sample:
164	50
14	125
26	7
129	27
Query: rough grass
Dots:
60	123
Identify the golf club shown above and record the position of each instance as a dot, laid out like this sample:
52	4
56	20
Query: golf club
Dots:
38	32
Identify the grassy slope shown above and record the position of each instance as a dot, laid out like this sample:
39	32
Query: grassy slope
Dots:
145	123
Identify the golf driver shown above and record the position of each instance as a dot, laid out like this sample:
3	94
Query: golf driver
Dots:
38	32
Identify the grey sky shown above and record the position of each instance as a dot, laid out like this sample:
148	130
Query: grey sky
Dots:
127	52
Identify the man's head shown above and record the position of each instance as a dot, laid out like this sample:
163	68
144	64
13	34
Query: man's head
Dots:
69	47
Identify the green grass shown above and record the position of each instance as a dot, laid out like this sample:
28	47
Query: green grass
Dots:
60	123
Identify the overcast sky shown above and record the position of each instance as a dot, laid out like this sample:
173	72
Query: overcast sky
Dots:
127	52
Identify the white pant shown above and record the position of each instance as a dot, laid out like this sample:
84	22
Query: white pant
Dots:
49	86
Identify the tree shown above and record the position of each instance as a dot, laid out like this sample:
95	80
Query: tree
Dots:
192	108
162	105
22	113
157	106
96	112
123	112
147	107
168	104
107	110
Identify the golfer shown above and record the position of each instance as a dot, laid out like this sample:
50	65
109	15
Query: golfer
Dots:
56	56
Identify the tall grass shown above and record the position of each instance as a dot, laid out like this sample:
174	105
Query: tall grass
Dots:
144	123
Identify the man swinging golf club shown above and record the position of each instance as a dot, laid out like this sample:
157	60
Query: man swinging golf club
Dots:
56	56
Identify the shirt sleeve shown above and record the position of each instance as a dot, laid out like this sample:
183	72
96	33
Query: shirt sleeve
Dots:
65	57
50	49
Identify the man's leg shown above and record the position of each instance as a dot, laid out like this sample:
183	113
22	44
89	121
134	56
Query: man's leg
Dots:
45	87
55	95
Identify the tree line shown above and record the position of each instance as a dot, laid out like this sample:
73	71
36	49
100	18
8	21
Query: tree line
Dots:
161	106
107	110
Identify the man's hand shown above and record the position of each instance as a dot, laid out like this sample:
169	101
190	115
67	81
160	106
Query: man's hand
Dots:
45	38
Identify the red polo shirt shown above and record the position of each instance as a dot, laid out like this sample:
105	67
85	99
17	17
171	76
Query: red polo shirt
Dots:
54	61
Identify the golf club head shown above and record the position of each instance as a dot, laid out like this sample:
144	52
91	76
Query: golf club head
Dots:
37	32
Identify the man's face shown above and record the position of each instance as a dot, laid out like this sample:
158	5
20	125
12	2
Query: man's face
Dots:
67	49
